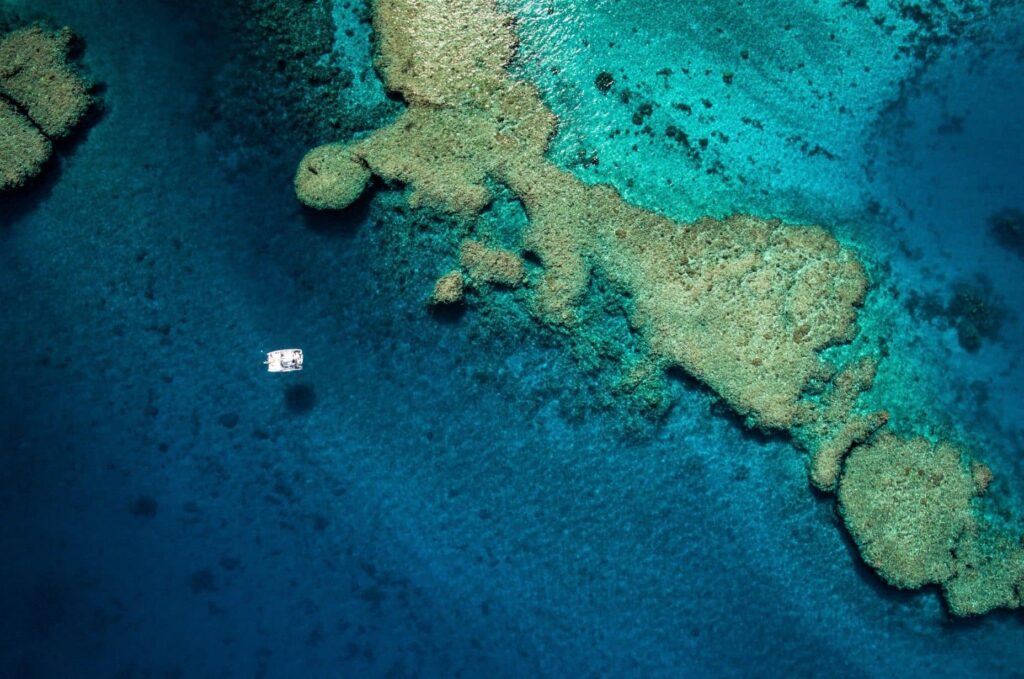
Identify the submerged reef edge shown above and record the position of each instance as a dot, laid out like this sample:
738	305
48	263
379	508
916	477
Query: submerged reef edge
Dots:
745	305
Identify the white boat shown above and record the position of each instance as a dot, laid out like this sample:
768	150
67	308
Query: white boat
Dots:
284	360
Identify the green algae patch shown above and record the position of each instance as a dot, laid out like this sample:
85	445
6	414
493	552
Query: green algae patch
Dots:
745	305
42	98
907	503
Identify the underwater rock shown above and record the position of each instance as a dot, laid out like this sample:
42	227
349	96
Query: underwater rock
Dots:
42	98
975	313
745	305
973	310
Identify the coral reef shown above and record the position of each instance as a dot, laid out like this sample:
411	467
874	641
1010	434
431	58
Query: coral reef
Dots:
906	503
911	507
745	305
836	427
449	288
330	178
23	148
491	265
42	98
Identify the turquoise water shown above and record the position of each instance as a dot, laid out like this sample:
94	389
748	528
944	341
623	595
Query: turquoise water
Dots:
440	495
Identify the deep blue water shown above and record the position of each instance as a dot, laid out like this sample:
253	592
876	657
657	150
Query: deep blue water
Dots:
430	497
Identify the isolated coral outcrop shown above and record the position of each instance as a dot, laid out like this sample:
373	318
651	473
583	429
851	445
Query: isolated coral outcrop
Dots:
449	288
746	305
331	178
42	97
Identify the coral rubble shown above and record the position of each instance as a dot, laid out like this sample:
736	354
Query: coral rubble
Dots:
42	98
745	305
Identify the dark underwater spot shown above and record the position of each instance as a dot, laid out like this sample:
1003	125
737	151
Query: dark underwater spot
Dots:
951	125
340	223
972	310
373	595
144	507
299	399
27	667
447	313
316	636
49	606
202	581
1007	228
975	313
228	420
604	81
16	203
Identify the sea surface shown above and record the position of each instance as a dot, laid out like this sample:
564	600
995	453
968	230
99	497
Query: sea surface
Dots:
454	494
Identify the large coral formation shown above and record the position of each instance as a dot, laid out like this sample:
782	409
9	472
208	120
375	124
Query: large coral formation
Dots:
746	305
757	299
906	503
23	148
989	571
42	98
911	506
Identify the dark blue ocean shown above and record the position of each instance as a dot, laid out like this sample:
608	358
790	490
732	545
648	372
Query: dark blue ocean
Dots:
455	494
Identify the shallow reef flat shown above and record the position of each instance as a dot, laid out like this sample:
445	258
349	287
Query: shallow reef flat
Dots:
744	305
